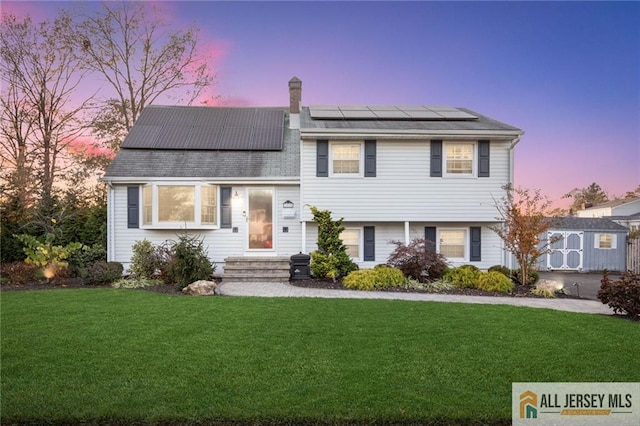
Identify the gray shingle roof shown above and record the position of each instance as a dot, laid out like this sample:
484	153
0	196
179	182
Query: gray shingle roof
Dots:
586	224
481	123
207	128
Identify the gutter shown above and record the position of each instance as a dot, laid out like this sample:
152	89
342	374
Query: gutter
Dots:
514	142
409	134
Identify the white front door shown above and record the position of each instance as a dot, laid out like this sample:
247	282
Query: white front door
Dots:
565	253
260	220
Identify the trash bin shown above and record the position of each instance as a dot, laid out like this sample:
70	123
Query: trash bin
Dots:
300	269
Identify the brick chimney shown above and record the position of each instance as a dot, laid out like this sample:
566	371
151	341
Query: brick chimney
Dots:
295	95
295	99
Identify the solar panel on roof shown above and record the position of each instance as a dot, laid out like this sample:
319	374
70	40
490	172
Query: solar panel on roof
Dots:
389	112
211	128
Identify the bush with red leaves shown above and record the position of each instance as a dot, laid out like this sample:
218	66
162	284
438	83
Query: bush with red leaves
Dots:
623	295
418	260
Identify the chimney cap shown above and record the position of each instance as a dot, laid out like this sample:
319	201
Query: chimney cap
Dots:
295	82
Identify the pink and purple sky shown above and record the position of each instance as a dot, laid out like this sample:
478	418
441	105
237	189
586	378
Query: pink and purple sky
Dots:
567	73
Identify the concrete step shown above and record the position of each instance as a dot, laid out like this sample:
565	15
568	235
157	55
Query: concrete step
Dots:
256	269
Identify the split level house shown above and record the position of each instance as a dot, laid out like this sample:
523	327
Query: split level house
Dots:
244	178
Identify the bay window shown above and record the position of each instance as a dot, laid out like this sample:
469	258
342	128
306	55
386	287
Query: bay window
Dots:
179	206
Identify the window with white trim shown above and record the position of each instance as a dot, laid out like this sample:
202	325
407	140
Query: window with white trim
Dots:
346	159
179	206
453	243
605	241
352	240
459	159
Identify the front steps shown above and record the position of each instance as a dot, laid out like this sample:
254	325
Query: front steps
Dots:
256	269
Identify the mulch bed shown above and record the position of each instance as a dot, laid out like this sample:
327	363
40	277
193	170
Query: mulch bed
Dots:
519	291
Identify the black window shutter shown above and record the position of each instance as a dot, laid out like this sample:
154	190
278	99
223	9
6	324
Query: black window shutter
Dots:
322	158
225	207
133	206
430	236
476	244
370	158
436	158
483	158
369	243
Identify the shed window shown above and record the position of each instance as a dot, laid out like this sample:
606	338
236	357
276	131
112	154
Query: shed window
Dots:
605	241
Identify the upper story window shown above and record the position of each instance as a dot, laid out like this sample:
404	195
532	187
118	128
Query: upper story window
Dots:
178	206
346	159
459	159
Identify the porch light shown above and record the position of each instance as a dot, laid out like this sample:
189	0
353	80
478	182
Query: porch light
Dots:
236	195
287	204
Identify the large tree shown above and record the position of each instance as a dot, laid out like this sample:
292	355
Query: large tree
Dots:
40	114
586	197
524	218
140	59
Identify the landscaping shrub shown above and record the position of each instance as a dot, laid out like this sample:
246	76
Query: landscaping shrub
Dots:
136	283
416	261
80	258
465	276
388	276
42	252
144	261
502	269
364	279
534	276
190	261
549	288
18	273
101	272
330	260
382	276
622	295
495	281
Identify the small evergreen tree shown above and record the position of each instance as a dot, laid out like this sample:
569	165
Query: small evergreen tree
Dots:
330	260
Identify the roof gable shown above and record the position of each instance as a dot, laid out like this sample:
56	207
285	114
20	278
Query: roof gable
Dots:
207	128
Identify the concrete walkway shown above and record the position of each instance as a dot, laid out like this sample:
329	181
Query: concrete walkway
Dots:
287	290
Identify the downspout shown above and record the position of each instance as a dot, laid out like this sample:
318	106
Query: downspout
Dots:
110	217
514	142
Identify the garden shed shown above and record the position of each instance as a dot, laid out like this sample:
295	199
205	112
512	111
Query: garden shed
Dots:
585	245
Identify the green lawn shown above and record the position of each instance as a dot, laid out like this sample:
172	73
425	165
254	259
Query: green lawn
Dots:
111	356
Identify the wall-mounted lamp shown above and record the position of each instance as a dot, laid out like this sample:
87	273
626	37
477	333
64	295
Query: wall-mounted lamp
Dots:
287	204
236	195
287	210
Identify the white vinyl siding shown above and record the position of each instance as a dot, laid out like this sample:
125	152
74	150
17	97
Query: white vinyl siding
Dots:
221	243
492	252
403	189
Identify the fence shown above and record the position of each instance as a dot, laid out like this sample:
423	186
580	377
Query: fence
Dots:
633	255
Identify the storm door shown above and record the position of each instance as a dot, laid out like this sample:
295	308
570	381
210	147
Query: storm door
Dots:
260	220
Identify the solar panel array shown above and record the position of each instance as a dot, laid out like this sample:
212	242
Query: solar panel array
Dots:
208	128
391	112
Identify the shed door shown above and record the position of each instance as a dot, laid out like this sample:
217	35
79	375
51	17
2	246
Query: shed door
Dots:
566	253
